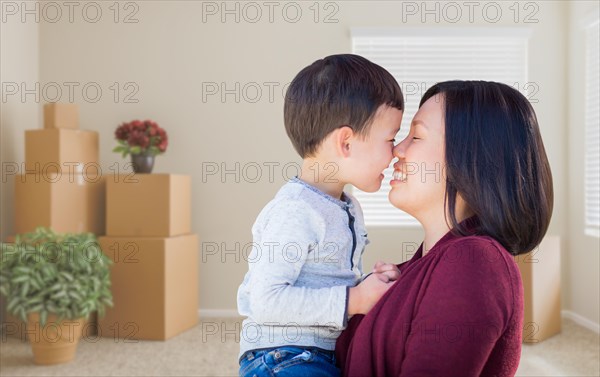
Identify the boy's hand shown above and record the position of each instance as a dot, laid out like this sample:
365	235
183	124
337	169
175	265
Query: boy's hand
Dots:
366	294
386	272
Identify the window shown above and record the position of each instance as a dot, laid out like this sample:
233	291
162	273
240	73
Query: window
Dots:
592	131
419	58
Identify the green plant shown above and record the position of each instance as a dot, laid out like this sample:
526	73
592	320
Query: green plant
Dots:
48	272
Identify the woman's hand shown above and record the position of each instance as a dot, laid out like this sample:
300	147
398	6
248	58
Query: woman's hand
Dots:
386	272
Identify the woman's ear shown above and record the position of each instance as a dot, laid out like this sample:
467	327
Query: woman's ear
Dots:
343	138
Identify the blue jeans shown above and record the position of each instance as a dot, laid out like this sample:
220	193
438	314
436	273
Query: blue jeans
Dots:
287	362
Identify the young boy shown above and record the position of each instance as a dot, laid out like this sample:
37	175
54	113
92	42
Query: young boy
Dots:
341	114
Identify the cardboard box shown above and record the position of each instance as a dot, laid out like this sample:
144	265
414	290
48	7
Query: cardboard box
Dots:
61	151
154	286
61	115
540	272
154	205
11	325
72	203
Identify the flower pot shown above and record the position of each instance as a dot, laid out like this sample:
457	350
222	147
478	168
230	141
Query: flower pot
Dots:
55	342
142	163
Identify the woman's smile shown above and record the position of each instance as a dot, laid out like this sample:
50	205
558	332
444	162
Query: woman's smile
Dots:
399	176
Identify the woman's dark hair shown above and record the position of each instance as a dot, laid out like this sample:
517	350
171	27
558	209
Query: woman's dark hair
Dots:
338	90
496	161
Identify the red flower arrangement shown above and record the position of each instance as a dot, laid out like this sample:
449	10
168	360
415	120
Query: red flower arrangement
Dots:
141	137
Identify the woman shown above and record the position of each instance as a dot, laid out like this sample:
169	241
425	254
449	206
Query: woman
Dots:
474	172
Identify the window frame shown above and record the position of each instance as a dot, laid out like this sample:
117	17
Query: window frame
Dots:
591	127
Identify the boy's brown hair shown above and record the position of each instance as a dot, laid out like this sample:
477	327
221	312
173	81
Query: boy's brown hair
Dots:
339	90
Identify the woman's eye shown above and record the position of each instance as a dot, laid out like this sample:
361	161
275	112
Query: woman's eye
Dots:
393	140
416	138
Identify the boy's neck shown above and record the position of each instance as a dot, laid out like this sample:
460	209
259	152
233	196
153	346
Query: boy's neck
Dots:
323	176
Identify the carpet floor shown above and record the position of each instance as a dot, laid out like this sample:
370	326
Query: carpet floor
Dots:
211	349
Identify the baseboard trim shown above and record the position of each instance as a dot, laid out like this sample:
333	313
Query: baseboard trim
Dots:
218	313
582	321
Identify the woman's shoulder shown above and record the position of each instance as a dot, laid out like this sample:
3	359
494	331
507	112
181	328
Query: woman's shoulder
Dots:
481	244
481	252
480	268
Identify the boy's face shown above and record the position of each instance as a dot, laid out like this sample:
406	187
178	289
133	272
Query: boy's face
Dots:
372	155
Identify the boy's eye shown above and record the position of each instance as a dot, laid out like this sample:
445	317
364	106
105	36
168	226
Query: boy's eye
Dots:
393	140
416	138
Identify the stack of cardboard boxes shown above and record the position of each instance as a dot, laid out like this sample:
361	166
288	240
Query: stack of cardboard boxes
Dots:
155	271
540	272
62	186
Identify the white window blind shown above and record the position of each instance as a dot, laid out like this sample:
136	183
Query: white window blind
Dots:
592	130
418	61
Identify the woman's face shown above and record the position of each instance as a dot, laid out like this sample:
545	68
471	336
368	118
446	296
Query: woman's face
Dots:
419	183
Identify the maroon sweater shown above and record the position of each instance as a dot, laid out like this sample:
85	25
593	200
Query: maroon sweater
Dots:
457	311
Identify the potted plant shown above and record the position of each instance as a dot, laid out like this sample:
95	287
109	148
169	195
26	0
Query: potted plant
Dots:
143	140
54	282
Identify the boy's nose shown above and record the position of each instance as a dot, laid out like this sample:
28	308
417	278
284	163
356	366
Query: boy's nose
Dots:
398	151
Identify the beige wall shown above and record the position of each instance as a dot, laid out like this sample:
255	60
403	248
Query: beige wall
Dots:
172	51
19	64
583	258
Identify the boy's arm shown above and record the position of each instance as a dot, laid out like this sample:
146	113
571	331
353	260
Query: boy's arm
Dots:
276	261
365	295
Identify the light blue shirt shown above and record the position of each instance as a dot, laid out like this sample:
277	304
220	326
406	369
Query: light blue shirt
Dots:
307	252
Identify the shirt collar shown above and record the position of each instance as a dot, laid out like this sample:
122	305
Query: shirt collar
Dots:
471	225
344	202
